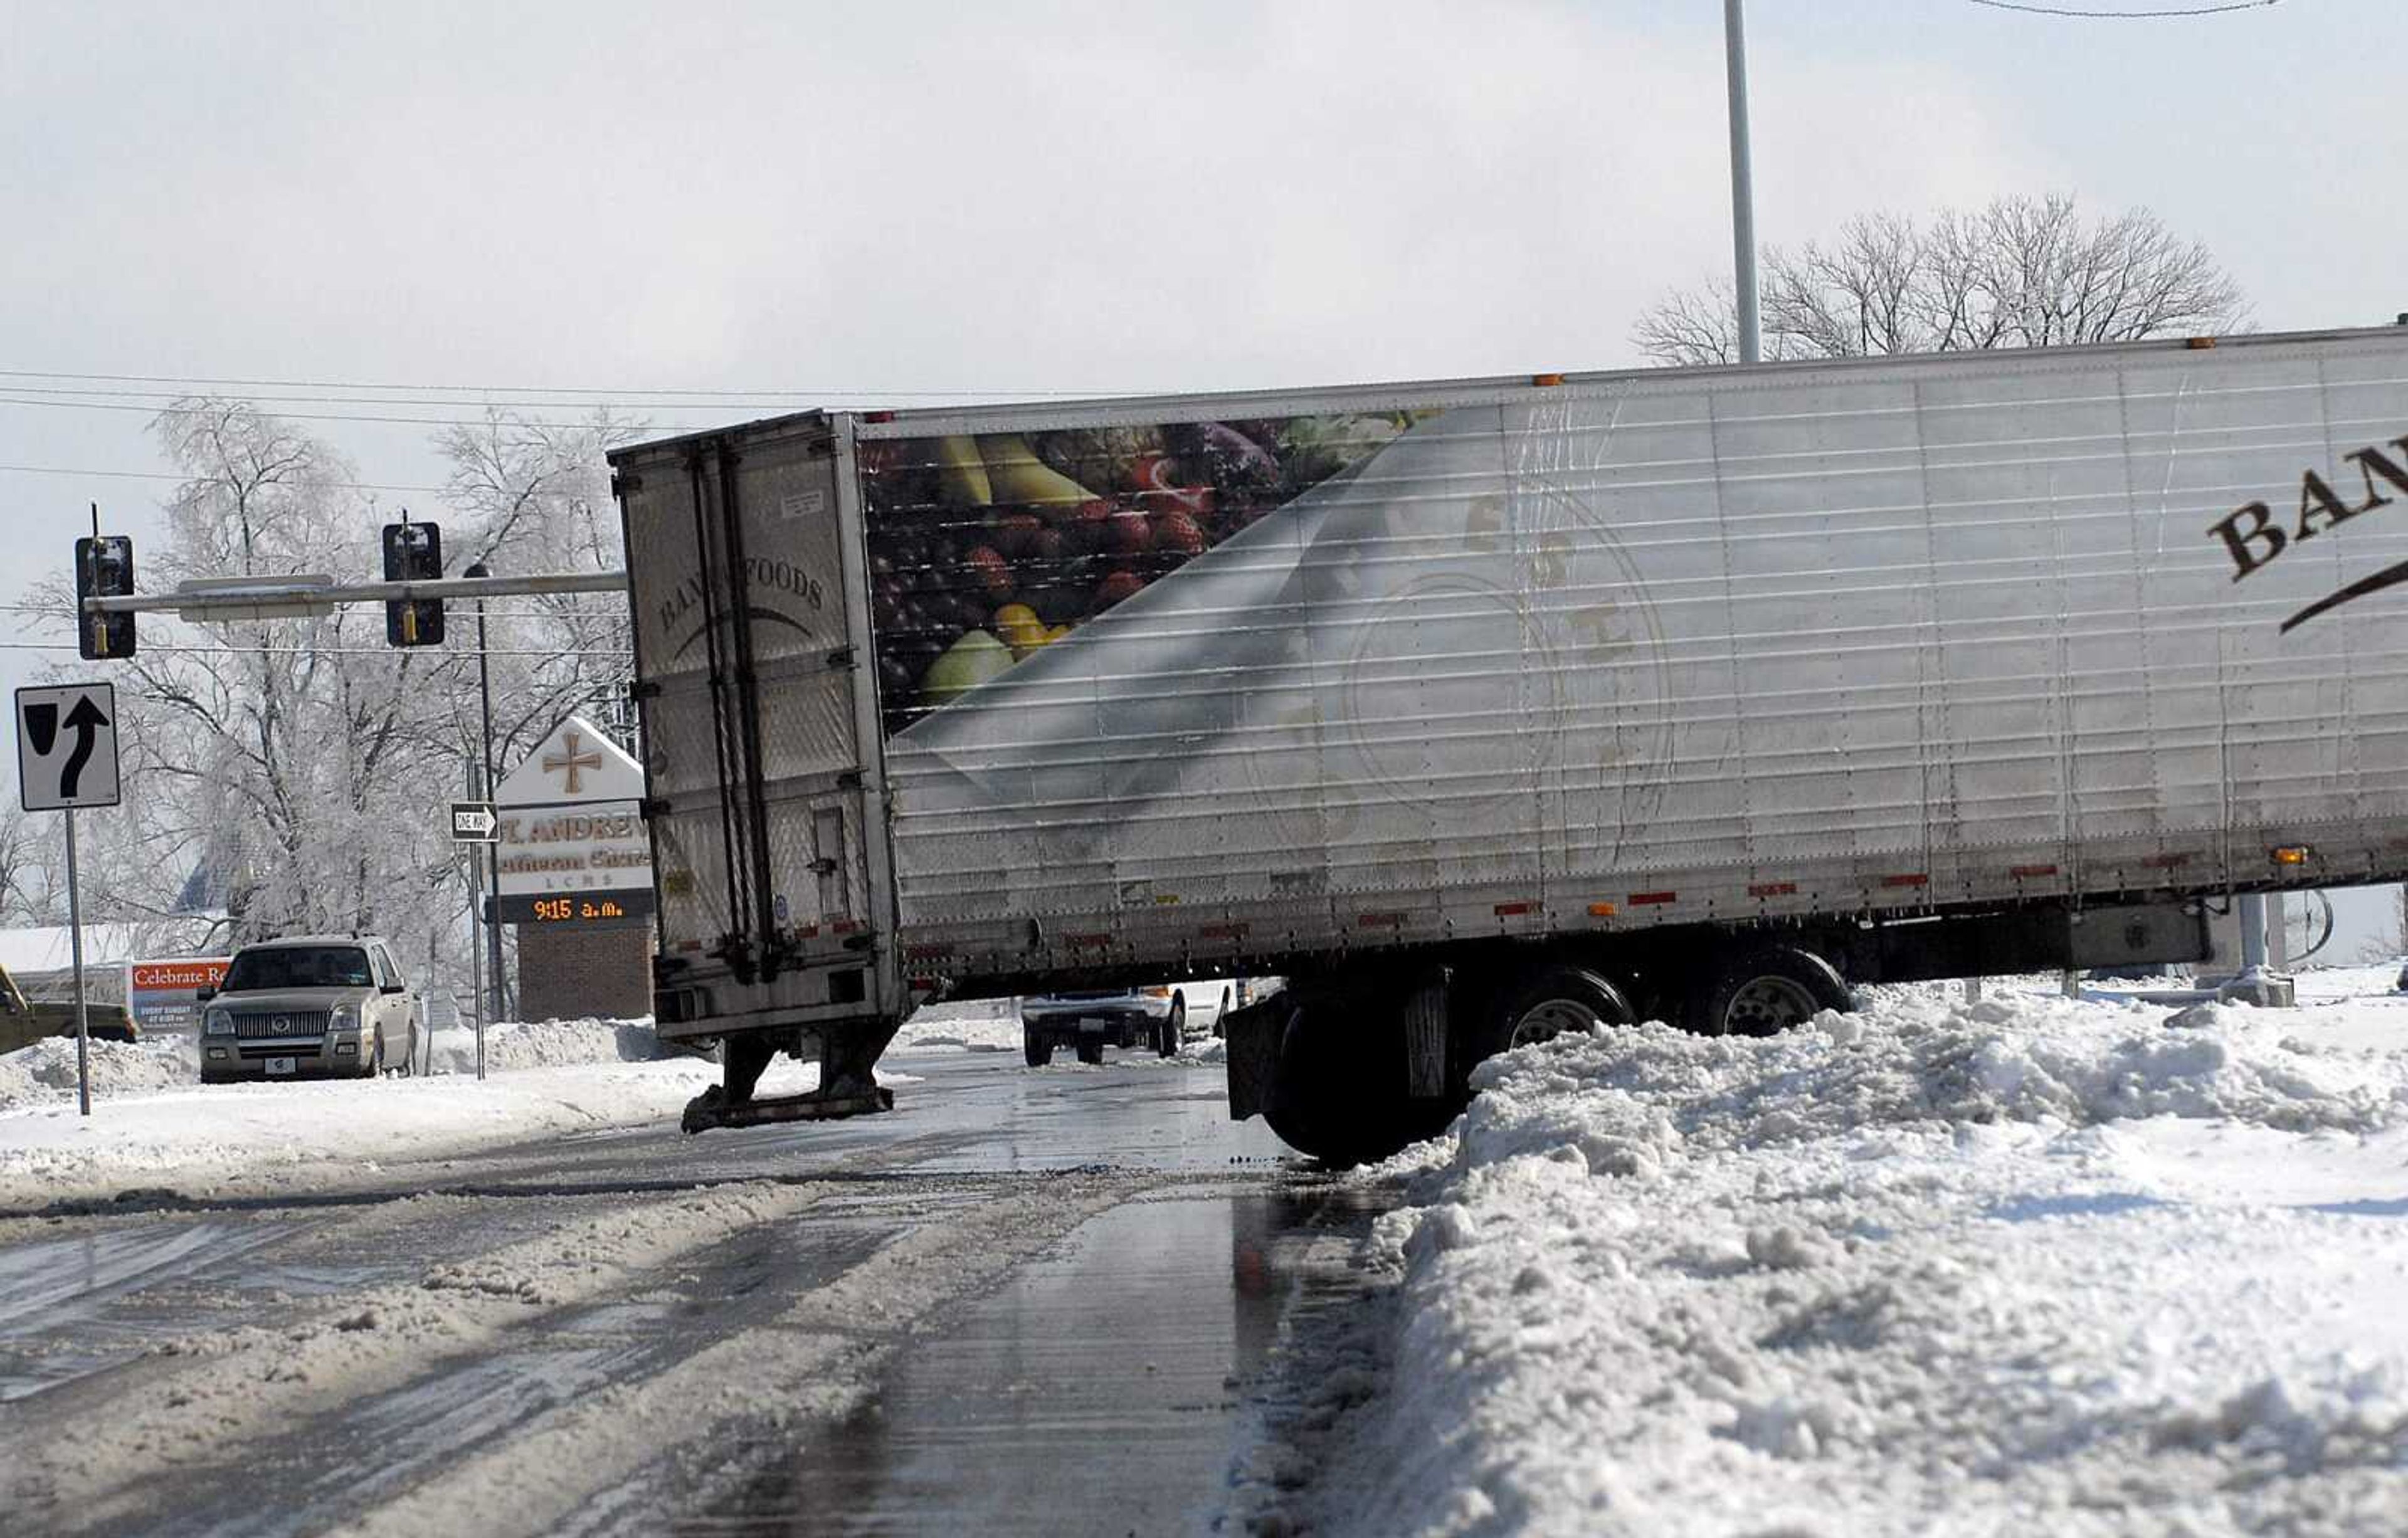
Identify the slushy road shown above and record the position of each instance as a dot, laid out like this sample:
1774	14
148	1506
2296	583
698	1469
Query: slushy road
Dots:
1057	1301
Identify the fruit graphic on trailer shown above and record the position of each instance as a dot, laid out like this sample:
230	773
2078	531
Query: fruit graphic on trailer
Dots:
1112	588
966	664
1017	476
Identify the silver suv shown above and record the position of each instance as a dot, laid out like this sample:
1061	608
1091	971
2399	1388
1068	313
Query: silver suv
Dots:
310	1007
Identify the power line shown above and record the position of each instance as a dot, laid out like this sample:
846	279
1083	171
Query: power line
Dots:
632	403
2126	15
68	647
164	475
543	389
288	415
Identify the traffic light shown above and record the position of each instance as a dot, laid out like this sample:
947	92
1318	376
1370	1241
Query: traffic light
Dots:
413	552
104	565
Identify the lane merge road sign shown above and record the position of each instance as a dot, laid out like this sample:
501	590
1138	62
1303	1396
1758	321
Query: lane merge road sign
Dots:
66	746
475	822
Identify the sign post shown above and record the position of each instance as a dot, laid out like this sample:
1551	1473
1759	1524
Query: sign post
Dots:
66	758
475	822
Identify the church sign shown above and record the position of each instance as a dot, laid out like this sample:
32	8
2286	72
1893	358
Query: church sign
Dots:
572	848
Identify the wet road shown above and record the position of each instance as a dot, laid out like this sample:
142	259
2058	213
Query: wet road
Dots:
1066	1300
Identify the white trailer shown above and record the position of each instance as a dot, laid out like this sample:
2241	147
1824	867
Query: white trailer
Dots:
1492	706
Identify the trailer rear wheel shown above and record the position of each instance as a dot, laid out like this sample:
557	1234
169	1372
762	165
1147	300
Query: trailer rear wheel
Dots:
1559	1000
1768	990
1090	1049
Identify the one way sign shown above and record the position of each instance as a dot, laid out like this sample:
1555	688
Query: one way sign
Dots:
66	746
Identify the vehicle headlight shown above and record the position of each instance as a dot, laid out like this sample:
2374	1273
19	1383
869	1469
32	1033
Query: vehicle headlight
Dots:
345	1017
216	1022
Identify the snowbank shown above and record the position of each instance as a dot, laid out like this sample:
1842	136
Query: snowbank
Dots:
979	1025
45	1073
2029	1265
548	1044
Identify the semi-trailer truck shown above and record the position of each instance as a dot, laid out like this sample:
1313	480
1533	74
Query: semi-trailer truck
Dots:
1484	709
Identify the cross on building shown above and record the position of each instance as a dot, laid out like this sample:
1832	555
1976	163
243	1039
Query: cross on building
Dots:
574	761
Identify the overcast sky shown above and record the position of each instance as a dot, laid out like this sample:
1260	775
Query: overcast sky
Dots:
1014	198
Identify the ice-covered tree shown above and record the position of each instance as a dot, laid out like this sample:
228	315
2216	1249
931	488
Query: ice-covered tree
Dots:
2021	272
287	771
533	495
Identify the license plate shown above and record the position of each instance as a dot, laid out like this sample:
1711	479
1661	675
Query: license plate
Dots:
1089	1022
283	1065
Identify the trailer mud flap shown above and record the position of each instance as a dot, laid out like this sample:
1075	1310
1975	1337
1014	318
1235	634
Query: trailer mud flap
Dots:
1253	1036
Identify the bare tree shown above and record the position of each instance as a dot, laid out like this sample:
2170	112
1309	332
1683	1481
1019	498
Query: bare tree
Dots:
2022	272
538	499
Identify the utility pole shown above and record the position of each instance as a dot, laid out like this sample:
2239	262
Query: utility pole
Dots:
493	851
1751	341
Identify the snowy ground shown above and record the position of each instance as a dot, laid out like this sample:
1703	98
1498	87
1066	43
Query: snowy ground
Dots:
2026	1265
153	1125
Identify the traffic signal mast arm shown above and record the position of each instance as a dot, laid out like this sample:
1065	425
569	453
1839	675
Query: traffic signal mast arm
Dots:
315	591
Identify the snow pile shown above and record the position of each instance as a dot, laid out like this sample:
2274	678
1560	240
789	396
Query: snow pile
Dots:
548	1044
2031	1264
976	1025
45	1073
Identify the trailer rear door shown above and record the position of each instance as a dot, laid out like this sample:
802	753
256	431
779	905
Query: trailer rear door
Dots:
741	572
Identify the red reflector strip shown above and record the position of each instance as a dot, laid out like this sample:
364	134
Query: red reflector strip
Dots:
1773	888
1907	878
2166	862
1380	921
877	416
1223	931
2029	872
1515	910
689	944
1652	899
808	932
841	926
1086	939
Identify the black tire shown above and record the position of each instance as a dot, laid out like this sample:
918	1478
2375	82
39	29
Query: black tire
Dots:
375	1058
1321	1102
1555	999
1764	991
1090	1049
1174	1026
1036	1050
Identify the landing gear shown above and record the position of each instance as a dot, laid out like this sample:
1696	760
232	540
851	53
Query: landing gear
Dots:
847	1086
1166	1035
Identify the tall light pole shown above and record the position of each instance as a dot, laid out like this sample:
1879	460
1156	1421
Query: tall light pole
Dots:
1751	342
493	851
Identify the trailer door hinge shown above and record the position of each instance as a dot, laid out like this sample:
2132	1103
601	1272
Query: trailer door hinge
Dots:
644	688
848	780
627	483
841	657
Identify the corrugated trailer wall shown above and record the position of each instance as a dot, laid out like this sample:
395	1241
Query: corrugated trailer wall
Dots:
1642	649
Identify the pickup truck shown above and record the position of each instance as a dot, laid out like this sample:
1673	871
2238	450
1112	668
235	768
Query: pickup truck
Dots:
1156	1015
